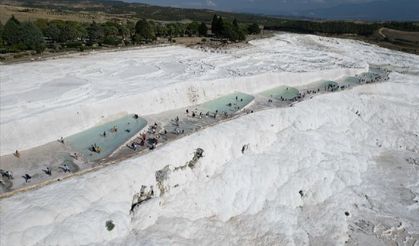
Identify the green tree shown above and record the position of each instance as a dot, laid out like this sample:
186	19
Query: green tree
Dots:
82	31
192	29
1	35
131	29
215	25
231	32
144	31
253	29
171	29
175	29
95	33
180	29
111	33
236	23
53	32
23	36
70	31
203	29
32	37
161	30
12	32
123	31
42	24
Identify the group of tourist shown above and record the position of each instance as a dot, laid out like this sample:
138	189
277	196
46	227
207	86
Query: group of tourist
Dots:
150	139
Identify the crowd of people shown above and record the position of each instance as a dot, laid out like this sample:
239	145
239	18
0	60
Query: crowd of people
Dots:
153	136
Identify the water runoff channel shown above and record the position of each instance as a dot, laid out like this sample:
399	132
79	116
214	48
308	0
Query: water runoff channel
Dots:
128	136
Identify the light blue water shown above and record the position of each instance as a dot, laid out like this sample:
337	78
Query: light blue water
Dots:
127	127
227	103
285	92
325	84
350	81
369	75
375	70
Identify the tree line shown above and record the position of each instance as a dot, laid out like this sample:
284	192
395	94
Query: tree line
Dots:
18	36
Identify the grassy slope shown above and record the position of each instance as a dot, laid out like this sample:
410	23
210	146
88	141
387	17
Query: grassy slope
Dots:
396	40
102	10
120	9
400	35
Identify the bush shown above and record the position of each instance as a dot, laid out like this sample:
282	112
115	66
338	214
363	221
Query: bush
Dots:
110	225
75	44
203	29
144	31
227	30
253	29
112	40
22	36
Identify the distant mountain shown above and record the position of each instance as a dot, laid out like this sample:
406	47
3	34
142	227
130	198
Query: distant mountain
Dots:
400	10
244	10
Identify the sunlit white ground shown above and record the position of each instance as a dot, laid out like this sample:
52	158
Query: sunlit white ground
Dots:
42	101
341	161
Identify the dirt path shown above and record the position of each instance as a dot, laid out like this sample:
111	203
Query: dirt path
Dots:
380	31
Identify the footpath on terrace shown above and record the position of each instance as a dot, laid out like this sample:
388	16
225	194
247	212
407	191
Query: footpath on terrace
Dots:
133	135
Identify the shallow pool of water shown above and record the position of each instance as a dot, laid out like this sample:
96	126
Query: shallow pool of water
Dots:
108	137
368	76
285	92
323	85
230	103
350	81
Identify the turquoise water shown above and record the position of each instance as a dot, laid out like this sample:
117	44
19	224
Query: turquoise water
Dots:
325	85
375	70
369	75
127	127
350	81
227	103
285	92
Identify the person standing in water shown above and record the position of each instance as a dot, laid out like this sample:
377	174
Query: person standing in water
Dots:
27	178
47	171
